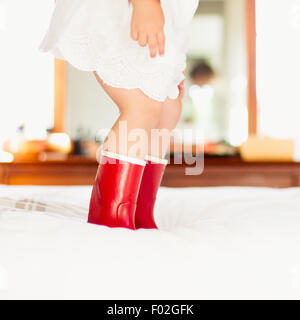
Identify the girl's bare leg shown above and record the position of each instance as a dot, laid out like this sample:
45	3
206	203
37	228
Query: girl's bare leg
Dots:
155	167
139	114
169	118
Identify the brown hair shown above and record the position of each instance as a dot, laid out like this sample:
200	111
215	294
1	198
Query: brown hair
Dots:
202	68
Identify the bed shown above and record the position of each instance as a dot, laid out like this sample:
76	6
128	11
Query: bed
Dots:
213	243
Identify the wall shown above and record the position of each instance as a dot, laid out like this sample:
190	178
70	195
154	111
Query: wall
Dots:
88	107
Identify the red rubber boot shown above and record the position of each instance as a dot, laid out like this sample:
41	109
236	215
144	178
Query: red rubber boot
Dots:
115	191
153	173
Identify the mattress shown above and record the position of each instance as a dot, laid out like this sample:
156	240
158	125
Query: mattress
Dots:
212	243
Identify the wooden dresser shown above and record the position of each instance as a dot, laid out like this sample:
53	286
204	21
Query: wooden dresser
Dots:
217	172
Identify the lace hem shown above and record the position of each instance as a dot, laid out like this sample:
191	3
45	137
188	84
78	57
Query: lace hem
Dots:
122	67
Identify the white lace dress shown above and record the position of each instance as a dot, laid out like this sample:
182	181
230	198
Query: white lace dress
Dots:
94	35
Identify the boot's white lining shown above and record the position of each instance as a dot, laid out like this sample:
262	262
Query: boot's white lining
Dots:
156	160
122	157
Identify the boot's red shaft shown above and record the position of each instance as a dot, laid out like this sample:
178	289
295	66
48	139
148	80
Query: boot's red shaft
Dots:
144	214
115	192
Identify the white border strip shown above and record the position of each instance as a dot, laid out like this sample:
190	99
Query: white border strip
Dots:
123	158
156	160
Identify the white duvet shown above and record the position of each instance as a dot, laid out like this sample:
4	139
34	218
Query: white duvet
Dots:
213	243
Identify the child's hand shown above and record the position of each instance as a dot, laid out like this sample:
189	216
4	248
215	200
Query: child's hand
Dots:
147	25
181	89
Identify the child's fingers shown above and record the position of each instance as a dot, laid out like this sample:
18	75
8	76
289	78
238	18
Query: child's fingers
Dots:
181	89
161	43
152	43
143	39
134	34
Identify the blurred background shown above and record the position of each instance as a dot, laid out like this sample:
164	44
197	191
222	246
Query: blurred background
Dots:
242	83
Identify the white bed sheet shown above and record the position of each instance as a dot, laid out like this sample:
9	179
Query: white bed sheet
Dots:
213	243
